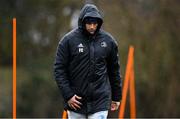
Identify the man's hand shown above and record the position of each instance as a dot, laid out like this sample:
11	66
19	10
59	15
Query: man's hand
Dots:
74	103
114	105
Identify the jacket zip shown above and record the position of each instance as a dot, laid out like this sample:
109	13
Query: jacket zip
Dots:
88	42
91	73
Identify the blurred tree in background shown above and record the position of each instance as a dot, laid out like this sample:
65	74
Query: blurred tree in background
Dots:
152	26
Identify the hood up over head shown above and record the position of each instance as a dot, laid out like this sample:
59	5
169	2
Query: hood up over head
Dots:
89	10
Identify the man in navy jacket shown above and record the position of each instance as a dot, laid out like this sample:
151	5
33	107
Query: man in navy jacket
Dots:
86	68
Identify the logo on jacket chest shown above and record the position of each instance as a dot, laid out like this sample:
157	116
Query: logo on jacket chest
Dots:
81	48
103	44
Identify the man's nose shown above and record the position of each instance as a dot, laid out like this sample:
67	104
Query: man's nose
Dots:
92	25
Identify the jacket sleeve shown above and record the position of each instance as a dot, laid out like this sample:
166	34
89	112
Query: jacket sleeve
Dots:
60	69
114	73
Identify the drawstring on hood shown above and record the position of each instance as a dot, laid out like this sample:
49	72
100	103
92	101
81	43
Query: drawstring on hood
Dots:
89	10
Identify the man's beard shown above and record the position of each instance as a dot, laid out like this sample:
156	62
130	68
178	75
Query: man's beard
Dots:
92	32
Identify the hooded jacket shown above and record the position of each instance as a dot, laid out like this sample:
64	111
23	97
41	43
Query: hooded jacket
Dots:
87	65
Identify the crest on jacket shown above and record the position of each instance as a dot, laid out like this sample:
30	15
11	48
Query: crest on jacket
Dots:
103	44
